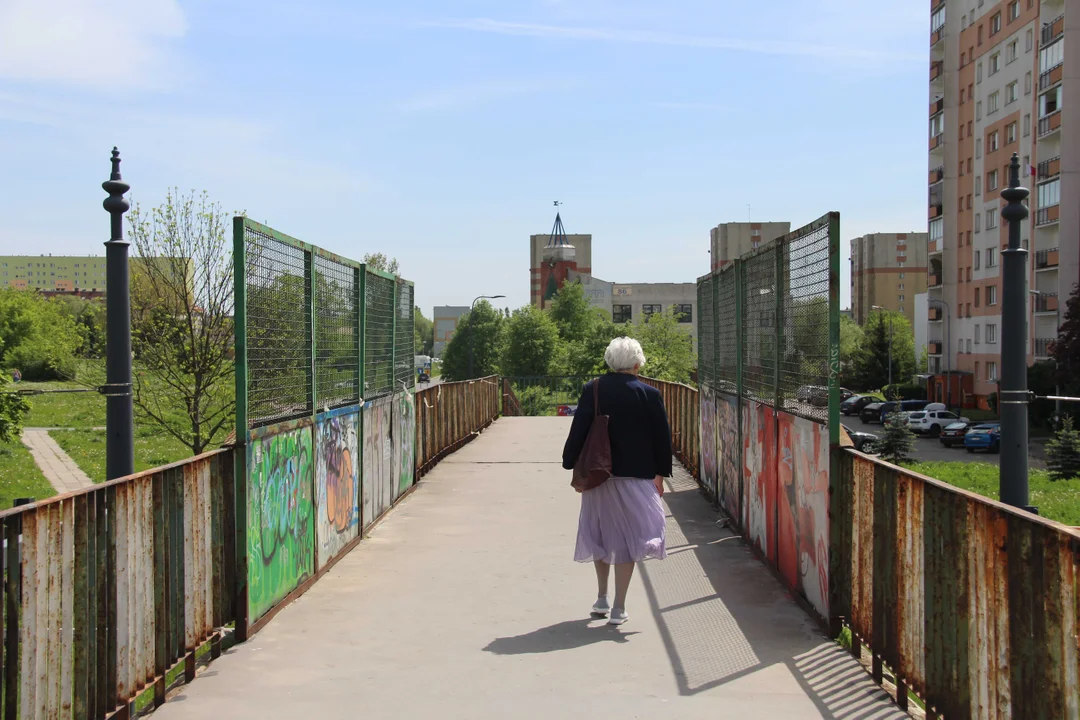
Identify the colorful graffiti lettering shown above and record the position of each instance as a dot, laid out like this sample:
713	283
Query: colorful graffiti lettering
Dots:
281	537
708	440
405	444
727	453
759	479
336	482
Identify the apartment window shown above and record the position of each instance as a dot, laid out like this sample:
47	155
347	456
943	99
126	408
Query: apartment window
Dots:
1011	91
978	110
1027	125
995	64
991	183
991	294
978	257
991	261
1011	51
960	207
963	62
1050	193
1014	10
1030	40
1010	133
991	219
901	276
976	332
621	313
969	280
1050	102
685	313
1051	56
978	186
647	310
978	150
900	286
937	229
980	35
962	91
937	20
971	91
991	334
991	371
901	298
968	202
992	103
978	222
937	124
960	346
976	297
969	234
1027	84
978	69
960	279
995	24
969	346
969	166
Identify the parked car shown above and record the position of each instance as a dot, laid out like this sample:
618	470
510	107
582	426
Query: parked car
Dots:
854	404
805	393
983	437
863	441
954	434
819	396
872	413
931	422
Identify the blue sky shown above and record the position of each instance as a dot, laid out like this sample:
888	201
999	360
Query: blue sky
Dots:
441	132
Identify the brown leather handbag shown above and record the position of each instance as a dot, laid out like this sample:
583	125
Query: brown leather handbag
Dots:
593	466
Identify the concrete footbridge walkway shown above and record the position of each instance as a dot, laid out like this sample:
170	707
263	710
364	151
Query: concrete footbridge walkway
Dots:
464	603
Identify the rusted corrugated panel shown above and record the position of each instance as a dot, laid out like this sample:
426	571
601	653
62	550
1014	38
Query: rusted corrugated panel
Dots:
67	591
862	549
51	704
28	639
910	575
147	668
122	523
191	531
885	585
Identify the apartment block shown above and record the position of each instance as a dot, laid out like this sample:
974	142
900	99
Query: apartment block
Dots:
48	273
730	241
445	319
887	270
998	79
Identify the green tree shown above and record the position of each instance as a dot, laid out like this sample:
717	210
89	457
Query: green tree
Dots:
89	317
871	366
669	349
851	337
897	441
182	306
382	263
423	333
13	409
1063	452
1066	348
37	336
484	324
532	346
585	330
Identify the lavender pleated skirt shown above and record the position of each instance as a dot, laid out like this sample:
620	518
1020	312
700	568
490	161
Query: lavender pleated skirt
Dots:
621	521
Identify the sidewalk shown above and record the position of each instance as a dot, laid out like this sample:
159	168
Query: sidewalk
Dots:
59	469
465	604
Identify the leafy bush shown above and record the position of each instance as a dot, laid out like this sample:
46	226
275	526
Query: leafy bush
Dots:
904	392
37	336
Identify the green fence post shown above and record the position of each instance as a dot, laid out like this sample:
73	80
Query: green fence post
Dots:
309	261
740	340
778	319
836	515
361	324
240	449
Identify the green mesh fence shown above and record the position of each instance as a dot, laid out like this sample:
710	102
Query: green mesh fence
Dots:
337	334
706	334
404	352
278	309
804	285
727	342
759	325
378	336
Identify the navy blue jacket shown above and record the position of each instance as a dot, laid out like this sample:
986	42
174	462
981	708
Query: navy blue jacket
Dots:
638	427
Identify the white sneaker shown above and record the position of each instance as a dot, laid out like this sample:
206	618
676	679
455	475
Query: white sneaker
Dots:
601	606
618	617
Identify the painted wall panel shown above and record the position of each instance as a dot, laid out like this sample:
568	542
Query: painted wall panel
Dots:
404	441
759	477
727	453
708	439
281	529
378	475
337	482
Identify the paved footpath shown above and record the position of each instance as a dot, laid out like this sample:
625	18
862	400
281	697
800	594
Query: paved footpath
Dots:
57	466
465	604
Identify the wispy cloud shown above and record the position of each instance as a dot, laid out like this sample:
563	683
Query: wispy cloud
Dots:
103	44
479	93
649	37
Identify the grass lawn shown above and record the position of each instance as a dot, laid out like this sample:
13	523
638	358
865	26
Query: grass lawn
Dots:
20	476
82	409
1056	500
153	448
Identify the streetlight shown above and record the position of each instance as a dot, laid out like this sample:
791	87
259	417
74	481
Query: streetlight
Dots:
878	307
948	345
471	308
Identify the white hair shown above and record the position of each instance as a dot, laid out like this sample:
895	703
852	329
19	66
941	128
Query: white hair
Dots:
623	354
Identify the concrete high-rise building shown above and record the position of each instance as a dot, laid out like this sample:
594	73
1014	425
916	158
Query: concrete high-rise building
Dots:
445	320
999	76
887	270
730	241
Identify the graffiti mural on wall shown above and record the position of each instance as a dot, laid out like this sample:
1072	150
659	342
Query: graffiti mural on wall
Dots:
378	461
405	441
281	532
803	507
727	453
759	477
708	439
336	482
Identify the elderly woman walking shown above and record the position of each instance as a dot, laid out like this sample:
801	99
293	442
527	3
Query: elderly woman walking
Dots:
622	520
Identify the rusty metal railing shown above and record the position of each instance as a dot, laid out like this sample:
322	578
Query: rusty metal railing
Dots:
681	402
450	415
972	605
109	589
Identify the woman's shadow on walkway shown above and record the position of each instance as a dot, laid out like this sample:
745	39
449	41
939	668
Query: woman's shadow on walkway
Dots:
566	635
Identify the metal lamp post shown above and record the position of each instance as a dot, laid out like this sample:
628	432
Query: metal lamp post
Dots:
1013	480
471	308
119	422
878	307
948	346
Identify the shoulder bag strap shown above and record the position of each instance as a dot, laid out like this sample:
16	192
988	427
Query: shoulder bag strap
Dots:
596	398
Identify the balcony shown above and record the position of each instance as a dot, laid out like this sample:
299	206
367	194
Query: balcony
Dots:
935	142
1047	216
1051	31
1049	124
937	175
936	69
935	37
1046	303
935	211
1049	168
1042	347
933	280
935	314
933	348
1050	78
937	106
1046	259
